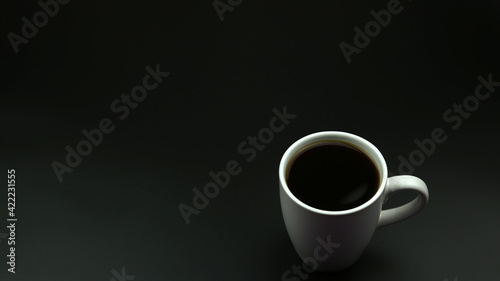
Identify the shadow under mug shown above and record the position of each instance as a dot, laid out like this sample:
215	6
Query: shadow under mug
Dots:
331	241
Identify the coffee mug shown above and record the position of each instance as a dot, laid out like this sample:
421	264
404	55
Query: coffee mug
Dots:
329	240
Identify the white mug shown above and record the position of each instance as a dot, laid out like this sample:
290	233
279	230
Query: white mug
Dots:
333	240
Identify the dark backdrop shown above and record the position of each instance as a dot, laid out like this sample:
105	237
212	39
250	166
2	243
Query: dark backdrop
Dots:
116	214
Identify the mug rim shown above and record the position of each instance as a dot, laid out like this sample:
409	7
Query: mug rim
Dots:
351	139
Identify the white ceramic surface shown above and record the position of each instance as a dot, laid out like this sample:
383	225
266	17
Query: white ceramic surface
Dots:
350	230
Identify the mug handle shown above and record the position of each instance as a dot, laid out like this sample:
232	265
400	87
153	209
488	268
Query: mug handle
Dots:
399	183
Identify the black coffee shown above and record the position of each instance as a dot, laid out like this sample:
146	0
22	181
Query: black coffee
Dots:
333	176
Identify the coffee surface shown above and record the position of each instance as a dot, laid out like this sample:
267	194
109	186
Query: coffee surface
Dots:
333	176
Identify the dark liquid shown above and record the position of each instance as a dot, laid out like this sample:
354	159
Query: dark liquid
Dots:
333	176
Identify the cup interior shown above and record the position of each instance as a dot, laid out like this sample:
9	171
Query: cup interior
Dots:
341	138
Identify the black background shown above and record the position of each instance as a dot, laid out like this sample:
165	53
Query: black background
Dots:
119	207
